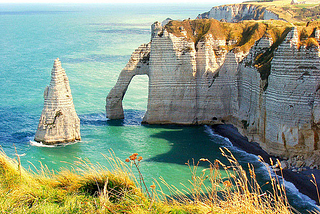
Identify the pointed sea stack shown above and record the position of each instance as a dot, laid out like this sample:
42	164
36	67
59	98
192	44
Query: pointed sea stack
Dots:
59	122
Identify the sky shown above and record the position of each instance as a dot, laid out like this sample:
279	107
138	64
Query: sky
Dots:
213	2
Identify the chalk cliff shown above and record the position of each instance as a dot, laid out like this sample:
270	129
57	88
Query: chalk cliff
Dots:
238	12
199	76
59	122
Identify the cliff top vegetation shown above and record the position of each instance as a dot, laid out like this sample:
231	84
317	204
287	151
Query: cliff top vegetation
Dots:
243	34
302	10
92	188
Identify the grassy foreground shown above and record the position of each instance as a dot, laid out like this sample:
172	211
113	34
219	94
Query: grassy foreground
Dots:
92	188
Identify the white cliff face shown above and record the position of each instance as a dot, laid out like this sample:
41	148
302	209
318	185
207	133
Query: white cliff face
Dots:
172	72
317	35
208	85
267	15
59	122
292	97
156	28
283	118
238	12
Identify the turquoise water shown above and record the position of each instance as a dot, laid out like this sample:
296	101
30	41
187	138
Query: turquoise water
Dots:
94	43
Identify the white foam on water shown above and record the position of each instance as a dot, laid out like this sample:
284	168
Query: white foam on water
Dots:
225	142
292	189
263	170
40	144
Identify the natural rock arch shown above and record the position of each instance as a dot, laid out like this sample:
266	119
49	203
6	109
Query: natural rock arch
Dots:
137	65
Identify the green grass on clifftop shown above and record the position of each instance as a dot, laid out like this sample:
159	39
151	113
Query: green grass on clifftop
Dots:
241	36
92	188
245	33
309	10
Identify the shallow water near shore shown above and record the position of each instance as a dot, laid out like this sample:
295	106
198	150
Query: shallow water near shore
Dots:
94	43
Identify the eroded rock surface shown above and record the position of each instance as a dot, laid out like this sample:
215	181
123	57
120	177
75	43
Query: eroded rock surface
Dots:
59	122
238	12
200	82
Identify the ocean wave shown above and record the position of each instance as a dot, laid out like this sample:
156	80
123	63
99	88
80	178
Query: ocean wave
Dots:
263	169
40	144
293	190
224	142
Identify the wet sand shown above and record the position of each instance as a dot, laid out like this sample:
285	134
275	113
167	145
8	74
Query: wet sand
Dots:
300	179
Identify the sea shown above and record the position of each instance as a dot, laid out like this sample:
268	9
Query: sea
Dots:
94	42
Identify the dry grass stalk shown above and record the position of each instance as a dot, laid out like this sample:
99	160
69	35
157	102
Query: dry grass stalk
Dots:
92	188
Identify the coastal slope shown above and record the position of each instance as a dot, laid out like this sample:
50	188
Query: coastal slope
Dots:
287	10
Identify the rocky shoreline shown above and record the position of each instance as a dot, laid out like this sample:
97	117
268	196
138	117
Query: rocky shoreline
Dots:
300	178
